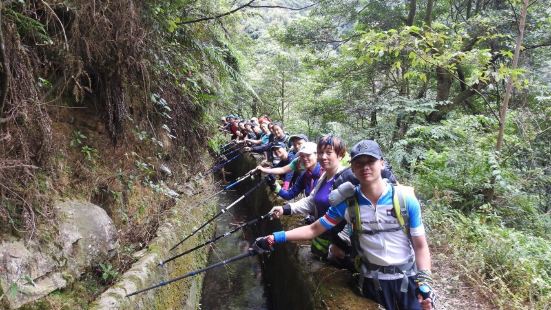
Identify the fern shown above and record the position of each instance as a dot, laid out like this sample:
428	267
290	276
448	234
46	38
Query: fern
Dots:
28	27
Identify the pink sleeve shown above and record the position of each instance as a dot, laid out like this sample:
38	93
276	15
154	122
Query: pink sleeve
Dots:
286	185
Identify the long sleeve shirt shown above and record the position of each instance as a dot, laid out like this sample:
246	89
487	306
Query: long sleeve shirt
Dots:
306	182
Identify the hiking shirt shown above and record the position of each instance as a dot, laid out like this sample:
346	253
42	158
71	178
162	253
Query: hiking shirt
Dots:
306	182
288	176
234	128
264	138
266	147
317	203
385	248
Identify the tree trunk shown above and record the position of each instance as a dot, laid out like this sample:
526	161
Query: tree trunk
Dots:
4	70
468	9
478	7
428	14
254	107
411	14
443	86
444	83
509	90
282	94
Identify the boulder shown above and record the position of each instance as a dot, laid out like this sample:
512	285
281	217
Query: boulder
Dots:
26	275
87	235
30	271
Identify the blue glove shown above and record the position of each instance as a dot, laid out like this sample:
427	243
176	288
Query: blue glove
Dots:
424	285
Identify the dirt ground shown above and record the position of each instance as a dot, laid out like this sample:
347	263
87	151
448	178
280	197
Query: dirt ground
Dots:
452	291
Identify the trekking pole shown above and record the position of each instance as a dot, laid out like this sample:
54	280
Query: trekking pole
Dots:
208	198
233	151
250	252
232	147
227	145
224	189
241	179
220	213
223	157
217	166
216	238
221	165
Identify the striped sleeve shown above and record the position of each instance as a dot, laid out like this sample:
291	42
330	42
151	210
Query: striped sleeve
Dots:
414	211
333	216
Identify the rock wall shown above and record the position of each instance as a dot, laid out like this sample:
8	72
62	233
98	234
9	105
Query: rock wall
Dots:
87	236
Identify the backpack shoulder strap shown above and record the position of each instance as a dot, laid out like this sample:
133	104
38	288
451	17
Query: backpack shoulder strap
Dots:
353	208
400	206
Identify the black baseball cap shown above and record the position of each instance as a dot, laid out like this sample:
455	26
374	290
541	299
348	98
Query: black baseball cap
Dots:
366	147
299	137
280	144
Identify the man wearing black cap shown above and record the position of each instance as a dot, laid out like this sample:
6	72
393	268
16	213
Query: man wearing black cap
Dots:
283	159
296	142
388	235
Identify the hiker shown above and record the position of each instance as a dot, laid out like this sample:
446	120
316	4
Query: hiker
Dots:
308	179
296	142
388	235
278	135
254	121
284	158
330	152
234	128
264	136
257	132
264	118
249	132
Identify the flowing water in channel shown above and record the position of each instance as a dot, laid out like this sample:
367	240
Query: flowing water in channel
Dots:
239	284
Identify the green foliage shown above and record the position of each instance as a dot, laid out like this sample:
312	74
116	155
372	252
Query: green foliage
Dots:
28	27
454	164
78	138
90	153
108	273
511	264
217	141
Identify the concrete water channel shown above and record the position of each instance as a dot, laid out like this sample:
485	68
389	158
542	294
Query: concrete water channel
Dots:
287	278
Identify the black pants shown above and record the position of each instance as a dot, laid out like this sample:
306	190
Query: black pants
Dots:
389	296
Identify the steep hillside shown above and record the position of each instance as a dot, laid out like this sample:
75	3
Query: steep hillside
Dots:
103	102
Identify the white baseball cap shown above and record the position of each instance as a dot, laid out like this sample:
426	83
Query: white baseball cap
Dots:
308	148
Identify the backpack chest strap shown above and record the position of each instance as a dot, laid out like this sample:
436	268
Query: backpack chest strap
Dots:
378	231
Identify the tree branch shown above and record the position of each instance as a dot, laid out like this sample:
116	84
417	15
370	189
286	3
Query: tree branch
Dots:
217	16
244	6
281	7
543	44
